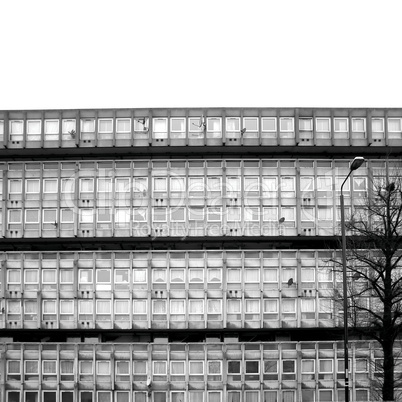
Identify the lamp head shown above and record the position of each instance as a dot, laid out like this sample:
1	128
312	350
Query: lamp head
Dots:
357	162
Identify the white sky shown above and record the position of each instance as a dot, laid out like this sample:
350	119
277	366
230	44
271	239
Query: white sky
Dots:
100	54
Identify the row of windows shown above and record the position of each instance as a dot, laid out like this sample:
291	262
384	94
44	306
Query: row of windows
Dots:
307	395
173	310
301	365
214	127
180	370
123	278
177	221
180	186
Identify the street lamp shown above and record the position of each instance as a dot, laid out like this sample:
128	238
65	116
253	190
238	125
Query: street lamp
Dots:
357	162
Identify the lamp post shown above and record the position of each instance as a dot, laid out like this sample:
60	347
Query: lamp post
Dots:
357	162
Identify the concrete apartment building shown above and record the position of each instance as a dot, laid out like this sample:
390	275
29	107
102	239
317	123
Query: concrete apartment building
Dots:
182	254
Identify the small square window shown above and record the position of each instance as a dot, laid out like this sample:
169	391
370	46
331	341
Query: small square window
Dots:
105	125
268	124
123	125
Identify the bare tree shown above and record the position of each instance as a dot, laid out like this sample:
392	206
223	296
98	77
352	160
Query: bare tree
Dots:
374	264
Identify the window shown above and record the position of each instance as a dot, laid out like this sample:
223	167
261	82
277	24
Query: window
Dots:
178	127
159	368
394	128
123	125
177	214
196	125
394	125
49	370
15	186
66	310
214	214
159	308
14	370
31	278
159	128
196	309
270	214
233	124
87	125
250	124
32	216
86	215
305	124
341	125
286	127
32	186
288	187
141	124
16	127
268	124
214	309
31	369
51	129
69	127
214	367
66	216
14	276
177	310
50	186
214	127
233	214
358	128
323	128
86	185
105	126
33	130
377	125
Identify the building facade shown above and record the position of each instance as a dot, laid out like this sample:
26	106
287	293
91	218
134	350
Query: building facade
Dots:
182	255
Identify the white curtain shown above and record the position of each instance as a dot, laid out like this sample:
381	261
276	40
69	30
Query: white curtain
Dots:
177	367
31	275
121	306
66	307
322	125
270	306
159	306
85	306
123	125
66	276
49	276
50	185
104	185
49	366
177	306
214	307
234	275
51	126
234	307
32	186
196	306
271	275
103	307
252	396
251	275
49	306
105	125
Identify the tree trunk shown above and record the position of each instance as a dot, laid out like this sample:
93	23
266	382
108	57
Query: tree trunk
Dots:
388	386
